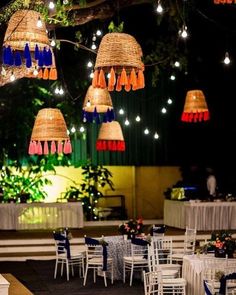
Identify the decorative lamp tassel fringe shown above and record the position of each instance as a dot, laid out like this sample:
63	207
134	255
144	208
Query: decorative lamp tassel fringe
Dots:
50	127
119	55
195	108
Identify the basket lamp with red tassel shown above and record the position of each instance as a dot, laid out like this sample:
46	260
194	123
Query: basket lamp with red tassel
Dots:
27	44
195	108
120	55
49	134
97	101
110	138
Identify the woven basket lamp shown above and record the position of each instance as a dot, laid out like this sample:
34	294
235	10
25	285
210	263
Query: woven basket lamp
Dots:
27	44
110	138
98	100
195	108
50	127
120	55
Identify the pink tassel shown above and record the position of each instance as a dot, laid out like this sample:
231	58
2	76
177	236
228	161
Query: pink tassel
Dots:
53	147
40	150
67	147
45	148
59	147
31	150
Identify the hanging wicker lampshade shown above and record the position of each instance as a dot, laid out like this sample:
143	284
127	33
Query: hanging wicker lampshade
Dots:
98	100
27	44
119	55
50	127
195	108
110	137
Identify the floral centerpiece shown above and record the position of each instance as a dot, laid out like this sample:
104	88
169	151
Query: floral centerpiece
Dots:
131	227
222	244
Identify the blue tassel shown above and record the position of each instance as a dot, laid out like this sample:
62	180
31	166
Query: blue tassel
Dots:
26	51
97	120
109	115
47	55
28	62
112	115
8	56
40	60
18	59
90	117
5	56
105	118
11	57
36	52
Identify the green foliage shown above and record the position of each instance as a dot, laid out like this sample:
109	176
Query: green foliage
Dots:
112	28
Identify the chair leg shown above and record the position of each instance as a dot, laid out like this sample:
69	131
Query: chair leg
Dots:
67	270
112	272
131	275
62	267
124	273
55	271
82	266
105	279
85	275
72	270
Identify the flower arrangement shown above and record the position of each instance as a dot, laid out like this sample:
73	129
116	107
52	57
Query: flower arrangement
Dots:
131	227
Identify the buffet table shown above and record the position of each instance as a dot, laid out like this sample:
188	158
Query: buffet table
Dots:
41	215
200	215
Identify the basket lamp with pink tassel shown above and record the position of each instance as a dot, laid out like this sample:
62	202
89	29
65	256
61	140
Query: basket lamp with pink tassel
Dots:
98	101
110	138
120	55
195	107
49	133
26	43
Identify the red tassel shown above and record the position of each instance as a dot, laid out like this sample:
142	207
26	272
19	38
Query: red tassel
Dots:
67	147
190	117
98	145
95	79
104	145
45	74
123	77
40	74
45	148
40	150
118	85
110	88
133	78
53	74
113	146
195	117
102	80
112	79
59	147
141	83
53	147
128	85
206	116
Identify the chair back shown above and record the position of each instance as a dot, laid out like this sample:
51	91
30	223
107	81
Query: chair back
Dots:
190	241
139	248
162	249
153	283
62	244
158	230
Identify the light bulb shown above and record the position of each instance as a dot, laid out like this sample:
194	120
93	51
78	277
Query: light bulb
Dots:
226	59
53	42
68	132
51	5
121	112
65	2
177	64
184	33
108	76
12	77
163	110
3	71
35	72
172	77
127	122
56	91
156	136
169	101
99	33
138	119
93	46
91	75
159	8
73	129
146	131
61	91
89	64
94	38
39	23
88	104
82	129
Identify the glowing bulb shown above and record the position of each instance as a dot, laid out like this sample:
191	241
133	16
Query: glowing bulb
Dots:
68	132
127	122
172	77
35	72
99	33
163	110
56	91
73	129
156	136
121	112
89	64
39	23
227	59
51	5
184	33
169	101
94	38
53	42
93	46
177	64
65	2
88	104
146	131
91	75
61	91
82	129
3	71
159	8
12	77
108	76
138	119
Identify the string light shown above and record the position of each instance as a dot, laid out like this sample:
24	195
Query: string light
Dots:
99	33
177	64
56	91
159	8
121	112
73	129
82	129
156	136
39	23
183	32
138	119
89	64
51	5
172	77
35	72
169	101
88	104
12	77
91	75
127	122
61	91
93	46
146	131
163	110
227	59
53	42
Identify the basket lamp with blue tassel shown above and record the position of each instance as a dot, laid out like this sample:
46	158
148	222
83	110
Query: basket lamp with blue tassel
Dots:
98	101
120	55
110	138
27	44
195	107
49	133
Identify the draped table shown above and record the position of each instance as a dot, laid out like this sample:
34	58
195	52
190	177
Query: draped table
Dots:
41	215
193	270
200	215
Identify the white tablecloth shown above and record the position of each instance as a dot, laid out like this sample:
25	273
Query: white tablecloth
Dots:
202	215
41	215
193	270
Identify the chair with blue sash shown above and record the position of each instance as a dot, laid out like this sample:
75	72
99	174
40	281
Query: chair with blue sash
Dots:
67	256
97	259
158	230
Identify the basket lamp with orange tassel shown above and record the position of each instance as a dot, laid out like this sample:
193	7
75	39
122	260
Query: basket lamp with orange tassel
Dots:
120	55
49	128
98	101
195	107
110	138
27	44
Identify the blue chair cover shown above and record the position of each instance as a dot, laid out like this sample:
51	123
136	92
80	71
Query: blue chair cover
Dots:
141	242
223	280
158	230
207	291
91	241
64	244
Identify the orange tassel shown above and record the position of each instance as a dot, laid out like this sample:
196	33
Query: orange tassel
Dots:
102	80
128	86
45	74
110	87
118	86
112	79
133	78
141	83
95	79
53	74
123	77
40	74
